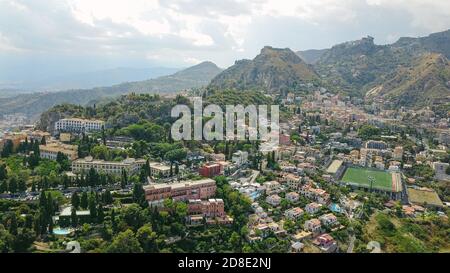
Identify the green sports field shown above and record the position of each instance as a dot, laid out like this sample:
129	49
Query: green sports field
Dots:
383	180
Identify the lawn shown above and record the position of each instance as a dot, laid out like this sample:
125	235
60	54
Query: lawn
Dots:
422	197
383	180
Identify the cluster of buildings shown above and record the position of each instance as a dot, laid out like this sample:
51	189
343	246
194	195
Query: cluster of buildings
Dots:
202	207
219	166
294	192
295	187
211	211
13	137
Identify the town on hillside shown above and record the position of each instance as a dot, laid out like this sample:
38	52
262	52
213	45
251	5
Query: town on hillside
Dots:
343	178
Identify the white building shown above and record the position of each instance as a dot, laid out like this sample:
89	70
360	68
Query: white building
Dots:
294	213
398	153
273	200
272	187
292	196
293	181
239	158
329	219
313	208
313	225
78	125
130	165
159	169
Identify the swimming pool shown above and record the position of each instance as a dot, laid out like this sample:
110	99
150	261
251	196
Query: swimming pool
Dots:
335	208
61	231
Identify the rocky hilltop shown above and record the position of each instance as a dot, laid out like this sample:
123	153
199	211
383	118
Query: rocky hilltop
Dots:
273	70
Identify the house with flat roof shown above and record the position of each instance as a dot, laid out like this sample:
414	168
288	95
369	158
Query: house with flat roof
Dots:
64	219
159	170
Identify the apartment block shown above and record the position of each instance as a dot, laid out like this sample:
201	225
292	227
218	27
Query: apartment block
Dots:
210	170
373	144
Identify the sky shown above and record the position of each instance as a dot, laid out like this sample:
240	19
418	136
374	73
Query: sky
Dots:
43	37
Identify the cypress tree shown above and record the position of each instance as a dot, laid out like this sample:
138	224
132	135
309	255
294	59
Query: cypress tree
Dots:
22	185
3	172
73	217
3	186
13	224
75	200
124	180
13	184
50	206
92	207
42	200
50	226
84	200
100	214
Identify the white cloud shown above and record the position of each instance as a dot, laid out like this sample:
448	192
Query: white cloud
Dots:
312	11
181	31
433	15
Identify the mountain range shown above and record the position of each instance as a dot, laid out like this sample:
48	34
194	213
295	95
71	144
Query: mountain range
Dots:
90	79
35	103
412	72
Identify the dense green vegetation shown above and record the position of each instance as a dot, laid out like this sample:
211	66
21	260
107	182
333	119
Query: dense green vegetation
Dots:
234	97
423	234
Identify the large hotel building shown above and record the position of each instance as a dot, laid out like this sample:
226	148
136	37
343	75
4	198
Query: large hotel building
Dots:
51	150
78	125
182	191
130	165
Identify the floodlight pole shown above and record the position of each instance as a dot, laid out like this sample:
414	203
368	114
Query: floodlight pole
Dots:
371	180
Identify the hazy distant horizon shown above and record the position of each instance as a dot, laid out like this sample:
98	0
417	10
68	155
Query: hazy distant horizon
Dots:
46	38
87	79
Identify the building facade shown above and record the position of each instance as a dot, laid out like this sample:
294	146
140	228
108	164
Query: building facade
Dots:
210	170
78	125
51	150
183	191
130	165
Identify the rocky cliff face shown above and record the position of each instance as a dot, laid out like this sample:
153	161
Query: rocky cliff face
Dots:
273	70
50	117
426	82
411	72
